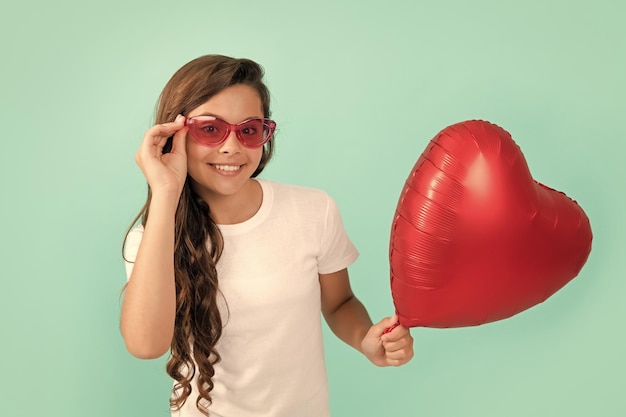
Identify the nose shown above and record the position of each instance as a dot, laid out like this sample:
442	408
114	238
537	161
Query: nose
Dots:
231	145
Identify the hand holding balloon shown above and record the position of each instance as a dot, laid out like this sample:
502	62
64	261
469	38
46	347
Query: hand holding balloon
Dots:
387	343
475	239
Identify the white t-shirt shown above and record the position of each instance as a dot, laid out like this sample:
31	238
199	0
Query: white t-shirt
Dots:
271	346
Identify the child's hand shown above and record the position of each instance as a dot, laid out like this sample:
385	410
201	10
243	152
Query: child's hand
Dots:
394	348
164	172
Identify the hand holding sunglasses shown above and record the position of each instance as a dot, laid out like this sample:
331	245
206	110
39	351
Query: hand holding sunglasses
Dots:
212	131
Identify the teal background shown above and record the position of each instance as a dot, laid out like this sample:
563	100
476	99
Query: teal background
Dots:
359	88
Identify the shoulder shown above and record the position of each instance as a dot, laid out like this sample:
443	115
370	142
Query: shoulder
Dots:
298	194
302	204
131	244
135	233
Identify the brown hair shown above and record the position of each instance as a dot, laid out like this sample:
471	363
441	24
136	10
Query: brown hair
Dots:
198	242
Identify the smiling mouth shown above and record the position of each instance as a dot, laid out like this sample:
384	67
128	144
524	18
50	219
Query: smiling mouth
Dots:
227	168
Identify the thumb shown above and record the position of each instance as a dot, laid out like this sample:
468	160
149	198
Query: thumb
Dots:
385	325
179	141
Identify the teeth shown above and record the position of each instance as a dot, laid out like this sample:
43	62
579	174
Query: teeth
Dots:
228	167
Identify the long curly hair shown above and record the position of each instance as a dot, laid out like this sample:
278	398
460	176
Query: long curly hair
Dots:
198	241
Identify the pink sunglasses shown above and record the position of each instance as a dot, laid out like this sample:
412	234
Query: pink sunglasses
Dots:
211	131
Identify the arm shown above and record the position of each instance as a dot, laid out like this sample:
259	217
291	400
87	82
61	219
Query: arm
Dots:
348	319
149	304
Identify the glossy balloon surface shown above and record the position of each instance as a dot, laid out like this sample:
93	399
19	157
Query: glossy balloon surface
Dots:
474	238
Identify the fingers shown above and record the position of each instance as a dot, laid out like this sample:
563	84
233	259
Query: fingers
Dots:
165	172
399	356
382	326
400	362
179	141
388	343
156	137
400	340
401	350
398	345
167	129
396	332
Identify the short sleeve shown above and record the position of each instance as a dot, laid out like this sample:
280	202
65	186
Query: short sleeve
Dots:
130	249
338	252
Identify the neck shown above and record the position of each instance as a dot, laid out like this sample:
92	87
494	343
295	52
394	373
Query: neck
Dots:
237	208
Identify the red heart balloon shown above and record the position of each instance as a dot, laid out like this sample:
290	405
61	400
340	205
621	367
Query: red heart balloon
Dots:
474	238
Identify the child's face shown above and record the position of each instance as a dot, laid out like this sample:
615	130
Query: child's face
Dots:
226	169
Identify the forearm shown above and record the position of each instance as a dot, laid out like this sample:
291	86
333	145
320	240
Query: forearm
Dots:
350	322
149	305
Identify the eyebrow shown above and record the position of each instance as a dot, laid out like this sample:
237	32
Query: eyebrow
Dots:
208	114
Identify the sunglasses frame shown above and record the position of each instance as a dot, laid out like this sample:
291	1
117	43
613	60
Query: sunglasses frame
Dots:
193	124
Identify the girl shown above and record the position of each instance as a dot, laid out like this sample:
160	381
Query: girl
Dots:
230	272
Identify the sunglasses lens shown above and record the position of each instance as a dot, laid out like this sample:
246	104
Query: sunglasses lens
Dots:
252	132
210	131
